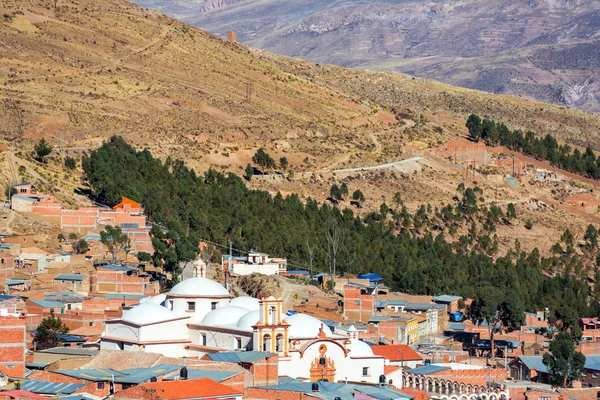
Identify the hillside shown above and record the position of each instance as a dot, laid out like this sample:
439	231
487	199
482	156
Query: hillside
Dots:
94	68
544	49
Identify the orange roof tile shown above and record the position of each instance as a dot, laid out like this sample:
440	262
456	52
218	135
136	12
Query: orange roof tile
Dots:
396	352
418	394
388	369
204	387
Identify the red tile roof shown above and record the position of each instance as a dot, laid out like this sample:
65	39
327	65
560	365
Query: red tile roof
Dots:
589	321
388	369
204	387
396	352
418	394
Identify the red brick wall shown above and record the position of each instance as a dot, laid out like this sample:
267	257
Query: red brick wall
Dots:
7	266
12	346
361	311
266	371
108	281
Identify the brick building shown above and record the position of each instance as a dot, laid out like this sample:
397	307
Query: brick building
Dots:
122	279
7	265
262	365
12	345
203	388
360	301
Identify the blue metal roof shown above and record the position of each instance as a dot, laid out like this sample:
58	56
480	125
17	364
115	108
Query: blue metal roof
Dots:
419	306
381	303
11	281
397	302
115	267
240	356
458	327
217	376
43	387
593	367
70	277
46	303
371	277
95	375
427	370
25	198
4	297
139	375
298	272
534	362
446	298
378	318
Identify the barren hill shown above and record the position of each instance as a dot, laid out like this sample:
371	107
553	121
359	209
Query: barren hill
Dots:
542	49
94	68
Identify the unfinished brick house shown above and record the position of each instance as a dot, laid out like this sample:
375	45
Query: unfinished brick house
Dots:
12	345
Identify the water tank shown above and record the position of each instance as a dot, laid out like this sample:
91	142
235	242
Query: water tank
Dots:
382	379
427	362
183	373
153	379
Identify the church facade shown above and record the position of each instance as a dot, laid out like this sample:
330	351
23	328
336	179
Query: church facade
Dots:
199	316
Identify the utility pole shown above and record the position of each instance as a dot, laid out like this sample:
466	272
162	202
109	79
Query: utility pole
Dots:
419	125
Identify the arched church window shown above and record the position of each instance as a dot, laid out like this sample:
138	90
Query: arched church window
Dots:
267	343
279	343
273	315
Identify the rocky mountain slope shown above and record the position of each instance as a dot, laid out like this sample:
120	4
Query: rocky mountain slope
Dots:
542	49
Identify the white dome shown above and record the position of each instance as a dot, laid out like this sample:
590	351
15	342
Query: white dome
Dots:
303	326
247	302
145	314
248	321
359	349
199	287
228	315
159	299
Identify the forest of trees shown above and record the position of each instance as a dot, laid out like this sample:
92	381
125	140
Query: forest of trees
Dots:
410	250
561	156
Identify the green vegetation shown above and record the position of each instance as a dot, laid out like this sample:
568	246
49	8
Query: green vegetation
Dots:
42	149
70	163
548	149
248	172
81	247
283	163
564	363
263	159
48	332
410	250
144	256
115	240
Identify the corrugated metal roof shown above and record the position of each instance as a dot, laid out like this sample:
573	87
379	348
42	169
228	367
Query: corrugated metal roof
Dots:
397	302
457	327
70	277
217	376
331	390
11	281
4	297
44	387
426	370
419	306
378	318
534	362
71	351
24	198
47	304
115	267
240	356
139	375
95	375
446	298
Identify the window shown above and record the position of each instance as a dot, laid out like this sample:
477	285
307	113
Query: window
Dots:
357	302
267	343
279	342
91	323
544	398
191	306
10	366
203	339
238	343
365	371
100	385
213	305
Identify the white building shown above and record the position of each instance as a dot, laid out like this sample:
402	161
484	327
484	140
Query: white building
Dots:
254	263
199	317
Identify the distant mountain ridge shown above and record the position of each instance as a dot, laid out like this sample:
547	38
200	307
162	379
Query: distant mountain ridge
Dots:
541	49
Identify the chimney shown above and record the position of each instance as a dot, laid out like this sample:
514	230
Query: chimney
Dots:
231	37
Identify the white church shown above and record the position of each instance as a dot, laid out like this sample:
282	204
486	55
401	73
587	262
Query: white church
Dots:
199	316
